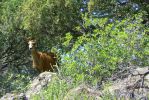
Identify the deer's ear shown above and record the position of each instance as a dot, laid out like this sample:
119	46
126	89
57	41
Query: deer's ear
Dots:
28	39
34	41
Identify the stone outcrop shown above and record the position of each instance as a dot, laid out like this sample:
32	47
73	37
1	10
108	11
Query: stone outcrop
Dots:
38	83
134	86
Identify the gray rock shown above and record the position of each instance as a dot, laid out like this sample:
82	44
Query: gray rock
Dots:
35	87
131	87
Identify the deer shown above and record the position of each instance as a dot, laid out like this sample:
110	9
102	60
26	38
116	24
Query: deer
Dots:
42	61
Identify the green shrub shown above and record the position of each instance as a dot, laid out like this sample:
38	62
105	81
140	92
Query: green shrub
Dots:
14	82
97	54
56	90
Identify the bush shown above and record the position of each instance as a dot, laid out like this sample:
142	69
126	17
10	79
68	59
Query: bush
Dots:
14	82
56	90
97	54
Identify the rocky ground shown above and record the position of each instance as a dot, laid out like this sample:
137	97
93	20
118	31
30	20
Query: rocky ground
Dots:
134	85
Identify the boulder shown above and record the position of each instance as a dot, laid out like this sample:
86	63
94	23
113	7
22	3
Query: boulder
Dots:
38	83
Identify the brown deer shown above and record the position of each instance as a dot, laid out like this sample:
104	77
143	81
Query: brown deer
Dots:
41	61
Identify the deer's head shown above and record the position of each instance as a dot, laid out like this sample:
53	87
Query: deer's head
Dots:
31	43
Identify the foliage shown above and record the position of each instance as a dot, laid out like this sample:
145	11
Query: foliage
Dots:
97	54
14	82
56	90
93	48
62	89
50	17
116	8
46	20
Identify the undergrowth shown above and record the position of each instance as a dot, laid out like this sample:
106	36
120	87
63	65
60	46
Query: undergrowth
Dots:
97	55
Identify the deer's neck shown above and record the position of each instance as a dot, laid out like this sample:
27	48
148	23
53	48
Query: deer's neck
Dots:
35	55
